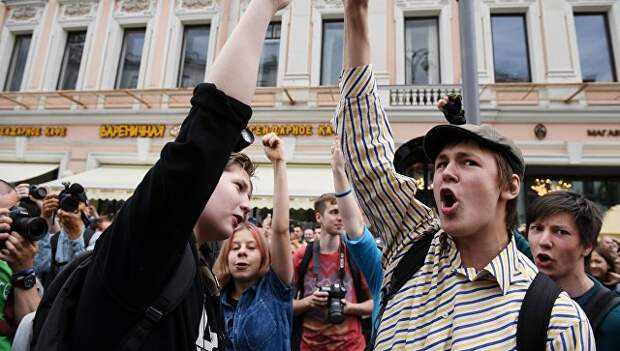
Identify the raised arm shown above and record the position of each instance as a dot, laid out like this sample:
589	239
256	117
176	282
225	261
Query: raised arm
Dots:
236	67
156	223
349	210
386	197
281	260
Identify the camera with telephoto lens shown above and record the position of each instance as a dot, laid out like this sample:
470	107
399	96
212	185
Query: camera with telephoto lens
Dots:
69	199
336	292
32	228
37	192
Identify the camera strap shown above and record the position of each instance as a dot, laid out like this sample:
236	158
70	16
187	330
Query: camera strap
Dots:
316	258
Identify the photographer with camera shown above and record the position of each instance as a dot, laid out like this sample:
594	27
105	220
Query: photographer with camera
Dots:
331	294
18	293
59	248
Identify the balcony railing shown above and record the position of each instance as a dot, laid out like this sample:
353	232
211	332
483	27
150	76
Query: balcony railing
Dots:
512	94
420	95
398	96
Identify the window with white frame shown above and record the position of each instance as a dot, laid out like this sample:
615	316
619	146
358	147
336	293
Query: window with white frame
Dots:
268	68
595	50
17	65
331	51
193	56
130	59
422	51
510	48
71	60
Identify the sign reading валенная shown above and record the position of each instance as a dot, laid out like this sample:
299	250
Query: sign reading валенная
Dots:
132	130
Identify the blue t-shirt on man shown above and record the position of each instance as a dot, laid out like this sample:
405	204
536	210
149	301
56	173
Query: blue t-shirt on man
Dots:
606	335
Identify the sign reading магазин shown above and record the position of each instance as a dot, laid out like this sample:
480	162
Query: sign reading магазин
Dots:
18	131
604	133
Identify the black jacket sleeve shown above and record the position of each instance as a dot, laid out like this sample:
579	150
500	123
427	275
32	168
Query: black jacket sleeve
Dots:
138	252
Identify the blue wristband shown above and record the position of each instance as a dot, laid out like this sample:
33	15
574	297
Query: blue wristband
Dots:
343	194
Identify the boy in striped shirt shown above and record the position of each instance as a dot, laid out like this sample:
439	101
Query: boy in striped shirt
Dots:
468	293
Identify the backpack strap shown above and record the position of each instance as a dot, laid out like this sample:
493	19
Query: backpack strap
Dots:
54	246
599	306
172	294
297	325
303	267
88	234
535	313
406	268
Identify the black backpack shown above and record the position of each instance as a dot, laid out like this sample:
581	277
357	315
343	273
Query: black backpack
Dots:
534	314
56	267
299	293
55	316
599	306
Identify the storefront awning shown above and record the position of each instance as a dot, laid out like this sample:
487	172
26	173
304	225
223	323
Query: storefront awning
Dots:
611	222
14	172
305	184
117	182
111	182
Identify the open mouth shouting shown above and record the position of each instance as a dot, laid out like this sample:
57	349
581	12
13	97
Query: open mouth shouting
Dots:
543	260
448	202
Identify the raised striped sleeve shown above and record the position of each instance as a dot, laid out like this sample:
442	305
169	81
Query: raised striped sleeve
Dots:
386	197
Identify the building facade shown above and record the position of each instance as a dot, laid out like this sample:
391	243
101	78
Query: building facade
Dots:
93	89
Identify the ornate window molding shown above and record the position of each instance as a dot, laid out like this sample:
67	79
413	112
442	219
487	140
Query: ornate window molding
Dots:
327	4
134	8
72	10
419	4
25	12
187	6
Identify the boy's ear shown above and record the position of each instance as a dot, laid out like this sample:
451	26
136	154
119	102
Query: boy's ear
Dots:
512	190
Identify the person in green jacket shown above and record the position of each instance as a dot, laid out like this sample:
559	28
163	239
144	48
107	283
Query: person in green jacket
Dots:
18	293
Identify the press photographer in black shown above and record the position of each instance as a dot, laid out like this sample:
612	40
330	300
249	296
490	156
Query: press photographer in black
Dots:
18	293
56	249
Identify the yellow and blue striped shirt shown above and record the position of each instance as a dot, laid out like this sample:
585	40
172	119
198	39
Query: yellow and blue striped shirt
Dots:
444	305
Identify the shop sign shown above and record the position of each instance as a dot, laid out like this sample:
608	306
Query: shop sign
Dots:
132	130
33	131
604	133
292	129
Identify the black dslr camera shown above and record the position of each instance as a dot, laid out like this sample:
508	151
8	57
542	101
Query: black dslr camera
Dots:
69	199
32	228
336	292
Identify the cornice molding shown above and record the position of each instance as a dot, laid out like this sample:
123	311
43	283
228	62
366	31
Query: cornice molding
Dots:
24	12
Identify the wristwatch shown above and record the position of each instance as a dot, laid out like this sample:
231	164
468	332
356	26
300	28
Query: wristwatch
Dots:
25	279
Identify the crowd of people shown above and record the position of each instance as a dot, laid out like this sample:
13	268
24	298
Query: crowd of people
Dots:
181	266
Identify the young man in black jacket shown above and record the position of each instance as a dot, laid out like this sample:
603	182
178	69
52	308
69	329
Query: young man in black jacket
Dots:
195	193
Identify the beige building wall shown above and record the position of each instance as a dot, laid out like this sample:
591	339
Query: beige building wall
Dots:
581	120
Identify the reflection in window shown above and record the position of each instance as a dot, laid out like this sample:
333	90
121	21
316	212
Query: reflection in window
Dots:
595	54
422	51
131	56
71	60
18	63
194	56
510	50
603	191
331	61
268	68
